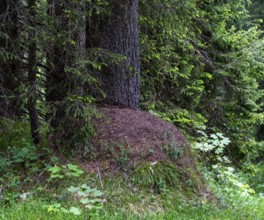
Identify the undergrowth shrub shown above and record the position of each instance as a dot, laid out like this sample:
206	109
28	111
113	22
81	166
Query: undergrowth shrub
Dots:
226	180
13	133
256	179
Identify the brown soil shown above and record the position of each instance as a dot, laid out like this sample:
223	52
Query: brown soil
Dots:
126	137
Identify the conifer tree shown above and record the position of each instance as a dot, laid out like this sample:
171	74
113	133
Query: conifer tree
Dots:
116	32
11	76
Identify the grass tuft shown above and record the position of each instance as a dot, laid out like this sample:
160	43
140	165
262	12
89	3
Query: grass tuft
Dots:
159	175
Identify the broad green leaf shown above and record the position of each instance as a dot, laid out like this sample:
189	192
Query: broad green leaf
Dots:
95	201
84	186
53	176
85	201
73	189
75	210
97	193
54	169
82	194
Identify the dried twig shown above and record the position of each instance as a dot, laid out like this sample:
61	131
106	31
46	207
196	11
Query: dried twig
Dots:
99	174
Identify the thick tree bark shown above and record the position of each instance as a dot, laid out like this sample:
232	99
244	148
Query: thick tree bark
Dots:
118	33
10	66
32	80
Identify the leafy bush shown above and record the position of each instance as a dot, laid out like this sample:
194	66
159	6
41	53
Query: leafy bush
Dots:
225	178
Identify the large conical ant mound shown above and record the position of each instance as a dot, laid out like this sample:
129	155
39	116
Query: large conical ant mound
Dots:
126	138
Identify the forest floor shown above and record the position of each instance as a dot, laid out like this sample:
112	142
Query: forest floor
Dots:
140	167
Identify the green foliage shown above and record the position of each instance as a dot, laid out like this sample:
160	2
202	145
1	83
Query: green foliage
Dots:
256	178
202	66
75	170
180	117
158	175
225	179
211	146
89	199
59	172
126	203
13	133
230	181
122	157
75	130
26	156
171	147
55	172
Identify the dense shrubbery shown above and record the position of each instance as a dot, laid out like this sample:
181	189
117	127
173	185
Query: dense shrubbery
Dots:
202	66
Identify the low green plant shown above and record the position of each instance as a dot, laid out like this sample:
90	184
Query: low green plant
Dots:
182	118
211	146
20	166
122	156
119	152
25	155
14	133
158	175
61	171
88	201
170	146
256	178
173	150
224	176
5	162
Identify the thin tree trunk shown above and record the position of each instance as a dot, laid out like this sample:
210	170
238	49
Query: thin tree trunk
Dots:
32	110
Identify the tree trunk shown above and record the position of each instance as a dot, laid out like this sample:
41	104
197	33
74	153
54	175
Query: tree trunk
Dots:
10	63
32	80
56	77
118	34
